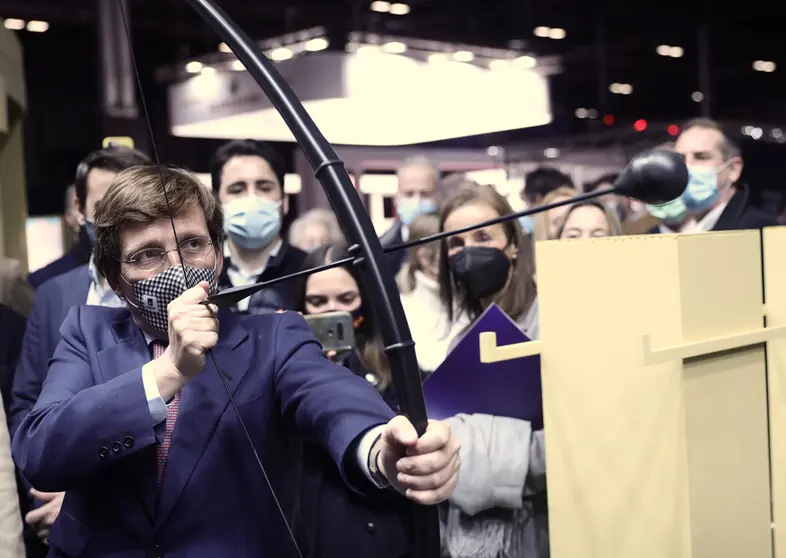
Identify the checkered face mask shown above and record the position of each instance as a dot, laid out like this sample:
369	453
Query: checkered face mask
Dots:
153	295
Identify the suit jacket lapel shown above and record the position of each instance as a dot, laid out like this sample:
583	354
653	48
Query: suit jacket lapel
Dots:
730	217
131	352
203	402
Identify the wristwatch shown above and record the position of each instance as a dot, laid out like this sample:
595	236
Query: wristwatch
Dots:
373	464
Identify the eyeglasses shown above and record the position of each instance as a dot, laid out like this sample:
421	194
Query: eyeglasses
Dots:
193	250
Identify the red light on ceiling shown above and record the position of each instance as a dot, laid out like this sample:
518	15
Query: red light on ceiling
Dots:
673	130
640	125
608	119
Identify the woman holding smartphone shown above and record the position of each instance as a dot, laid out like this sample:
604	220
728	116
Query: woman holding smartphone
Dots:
332	521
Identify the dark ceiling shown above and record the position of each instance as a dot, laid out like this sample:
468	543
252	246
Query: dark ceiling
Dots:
606	41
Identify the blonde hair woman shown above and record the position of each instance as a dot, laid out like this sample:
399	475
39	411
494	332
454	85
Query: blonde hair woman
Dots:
589	219
547	222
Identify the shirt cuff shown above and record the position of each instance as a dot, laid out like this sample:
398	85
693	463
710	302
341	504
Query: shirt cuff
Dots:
364	449
155	402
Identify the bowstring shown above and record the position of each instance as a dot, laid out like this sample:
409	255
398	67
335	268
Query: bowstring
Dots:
221	374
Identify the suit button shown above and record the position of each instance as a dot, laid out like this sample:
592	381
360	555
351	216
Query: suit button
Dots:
103	452
128	442
371	528
116	446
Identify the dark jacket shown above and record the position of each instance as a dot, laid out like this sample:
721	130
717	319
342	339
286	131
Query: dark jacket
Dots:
280	296
333	522
79	254
393	237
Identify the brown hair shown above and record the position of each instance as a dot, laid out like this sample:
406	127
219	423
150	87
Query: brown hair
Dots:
541	220
136	195
728	147
615	228
520	293
421	227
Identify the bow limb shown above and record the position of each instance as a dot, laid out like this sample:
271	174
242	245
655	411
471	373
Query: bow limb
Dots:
358	229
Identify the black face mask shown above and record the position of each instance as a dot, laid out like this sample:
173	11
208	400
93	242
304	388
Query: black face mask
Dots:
481	270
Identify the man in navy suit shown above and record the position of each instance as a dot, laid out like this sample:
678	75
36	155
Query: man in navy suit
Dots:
136	426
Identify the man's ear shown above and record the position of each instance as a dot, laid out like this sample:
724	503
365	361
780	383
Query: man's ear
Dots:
284	205
735	170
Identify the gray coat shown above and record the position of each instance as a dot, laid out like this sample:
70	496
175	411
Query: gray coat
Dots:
497	509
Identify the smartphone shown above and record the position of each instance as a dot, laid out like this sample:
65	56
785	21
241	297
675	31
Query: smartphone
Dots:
334	330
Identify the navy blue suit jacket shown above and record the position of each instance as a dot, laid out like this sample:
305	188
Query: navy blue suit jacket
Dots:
78	255
91	434
51	304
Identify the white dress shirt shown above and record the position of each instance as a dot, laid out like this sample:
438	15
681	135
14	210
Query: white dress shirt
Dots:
100	293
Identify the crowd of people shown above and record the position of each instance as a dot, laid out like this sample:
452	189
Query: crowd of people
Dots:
64	383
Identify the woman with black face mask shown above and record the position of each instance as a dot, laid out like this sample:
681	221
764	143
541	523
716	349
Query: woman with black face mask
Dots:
381	528
498	508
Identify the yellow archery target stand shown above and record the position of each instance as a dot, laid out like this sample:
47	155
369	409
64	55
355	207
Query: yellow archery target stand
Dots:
655	394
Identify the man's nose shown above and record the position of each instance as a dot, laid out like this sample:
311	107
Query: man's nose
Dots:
173	258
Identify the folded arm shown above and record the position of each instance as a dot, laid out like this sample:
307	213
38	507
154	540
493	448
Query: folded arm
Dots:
79	427
502	460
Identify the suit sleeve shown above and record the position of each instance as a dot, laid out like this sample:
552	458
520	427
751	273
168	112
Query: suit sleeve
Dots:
31	367
78	426
329	405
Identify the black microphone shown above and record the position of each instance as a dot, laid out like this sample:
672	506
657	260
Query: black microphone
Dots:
655	177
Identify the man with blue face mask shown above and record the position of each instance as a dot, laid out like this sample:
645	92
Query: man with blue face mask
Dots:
418	179
714	199
248	180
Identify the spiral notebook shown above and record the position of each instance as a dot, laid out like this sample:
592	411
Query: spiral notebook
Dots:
462	384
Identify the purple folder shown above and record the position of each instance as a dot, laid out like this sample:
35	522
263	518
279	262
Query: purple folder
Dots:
462	384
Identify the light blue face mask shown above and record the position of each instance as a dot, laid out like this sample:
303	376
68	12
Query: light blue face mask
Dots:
409	209
702	190
670	213
527	224
252	222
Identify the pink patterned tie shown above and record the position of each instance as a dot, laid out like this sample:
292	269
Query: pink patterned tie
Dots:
162	450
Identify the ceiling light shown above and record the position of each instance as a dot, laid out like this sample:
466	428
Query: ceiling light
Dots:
280	54
14	24
621	88
207	70
764	66
367	49
222	47
463	56
381	7
238	66
394	47
557	33
314	45
437	57
499	64
697	96
399	9
676	52
663	50
581	113
37	26
194	67
592	114
551	153
777	133
541	31
756	133
526	61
